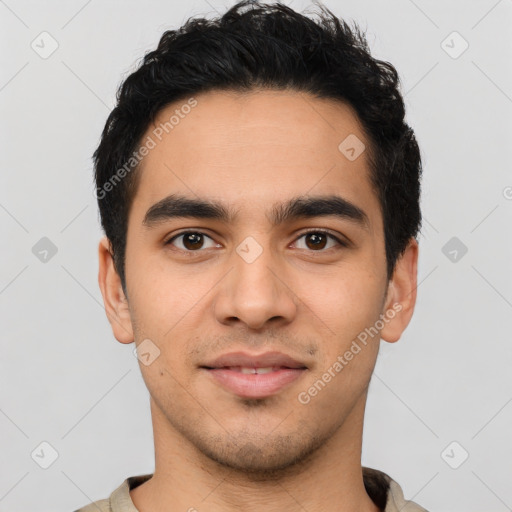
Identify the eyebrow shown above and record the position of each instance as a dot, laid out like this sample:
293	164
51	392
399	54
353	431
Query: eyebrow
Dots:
301	207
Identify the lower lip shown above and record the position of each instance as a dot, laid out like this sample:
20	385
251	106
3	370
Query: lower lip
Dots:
255	385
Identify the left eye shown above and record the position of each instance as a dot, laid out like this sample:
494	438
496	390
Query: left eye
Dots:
195	240
318	240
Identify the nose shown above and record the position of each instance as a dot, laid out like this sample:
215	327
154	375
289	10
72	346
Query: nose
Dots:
256	294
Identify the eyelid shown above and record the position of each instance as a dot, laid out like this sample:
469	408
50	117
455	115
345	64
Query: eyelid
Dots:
341	241
185	232
337	238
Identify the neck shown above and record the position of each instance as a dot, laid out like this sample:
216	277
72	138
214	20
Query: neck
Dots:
329	480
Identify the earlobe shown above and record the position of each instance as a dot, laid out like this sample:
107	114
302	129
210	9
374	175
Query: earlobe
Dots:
114	299
401	295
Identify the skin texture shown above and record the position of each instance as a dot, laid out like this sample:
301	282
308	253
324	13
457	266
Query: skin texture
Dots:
214	450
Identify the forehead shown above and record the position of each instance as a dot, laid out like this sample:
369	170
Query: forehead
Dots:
265	145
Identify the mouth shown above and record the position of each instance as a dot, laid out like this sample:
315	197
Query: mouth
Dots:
255	376
247	370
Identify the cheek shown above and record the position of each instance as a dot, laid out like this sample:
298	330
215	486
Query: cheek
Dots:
168	309
343	304
344	316
164	297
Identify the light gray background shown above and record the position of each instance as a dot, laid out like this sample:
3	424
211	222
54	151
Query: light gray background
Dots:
66	381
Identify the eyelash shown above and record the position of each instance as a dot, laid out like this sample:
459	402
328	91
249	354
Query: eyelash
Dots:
317	230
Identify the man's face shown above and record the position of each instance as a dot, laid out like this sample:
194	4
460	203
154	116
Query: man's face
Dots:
258	282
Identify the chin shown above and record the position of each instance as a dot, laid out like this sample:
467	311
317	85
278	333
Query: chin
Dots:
266	459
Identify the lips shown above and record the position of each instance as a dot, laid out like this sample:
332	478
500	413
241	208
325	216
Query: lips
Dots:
247	370
245	360
254	375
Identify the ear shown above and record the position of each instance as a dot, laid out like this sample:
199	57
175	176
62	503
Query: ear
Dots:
116	304
401	294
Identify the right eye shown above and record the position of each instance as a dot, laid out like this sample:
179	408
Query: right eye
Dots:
190	241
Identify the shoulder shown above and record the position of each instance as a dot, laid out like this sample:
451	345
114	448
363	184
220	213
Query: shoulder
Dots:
386	493
119	500
397	501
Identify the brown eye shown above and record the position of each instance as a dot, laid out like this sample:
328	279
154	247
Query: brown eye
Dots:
191	241
318	241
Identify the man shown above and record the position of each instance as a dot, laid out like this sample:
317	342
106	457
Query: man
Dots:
259	192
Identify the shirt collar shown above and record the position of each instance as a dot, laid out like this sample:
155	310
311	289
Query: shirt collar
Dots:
381	488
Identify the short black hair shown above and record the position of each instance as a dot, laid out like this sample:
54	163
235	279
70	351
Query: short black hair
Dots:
252	46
